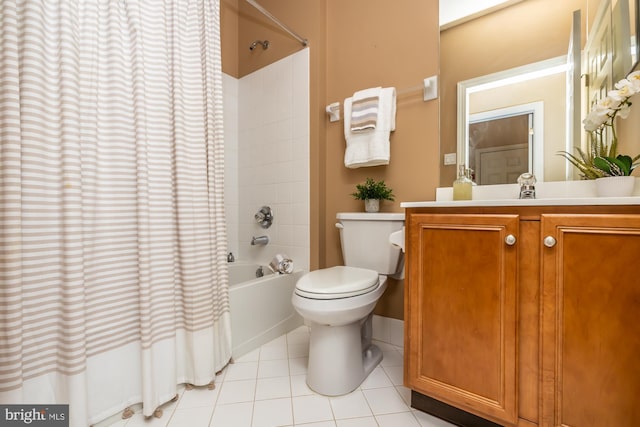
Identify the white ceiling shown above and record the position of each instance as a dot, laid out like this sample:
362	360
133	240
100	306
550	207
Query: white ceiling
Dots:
452	11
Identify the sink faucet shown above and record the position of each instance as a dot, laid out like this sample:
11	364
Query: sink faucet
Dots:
527	186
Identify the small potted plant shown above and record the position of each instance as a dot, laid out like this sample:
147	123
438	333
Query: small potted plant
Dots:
602	160
372	192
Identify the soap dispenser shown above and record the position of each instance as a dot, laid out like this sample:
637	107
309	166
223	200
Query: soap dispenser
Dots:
462	186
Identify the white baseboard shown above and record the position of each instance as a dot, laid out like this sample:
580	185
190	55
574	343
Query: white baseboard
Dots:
388	330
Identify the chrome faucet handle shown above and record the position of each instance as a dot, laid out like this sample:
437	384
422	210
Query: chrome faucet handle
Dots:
527	183
264	217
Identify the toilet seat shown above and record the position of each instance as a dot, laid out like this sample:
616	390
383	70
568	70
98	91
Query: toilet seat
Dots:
337	282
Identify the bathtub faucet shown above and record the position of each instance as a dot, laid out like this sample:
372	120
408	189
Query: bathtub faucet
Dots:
260	240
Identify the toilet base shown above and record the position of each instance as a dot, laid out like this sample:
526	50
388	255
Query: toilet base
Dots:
370	359
337	362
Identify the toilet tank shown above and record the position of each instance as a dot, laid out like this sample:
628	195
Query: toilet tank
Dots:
365	240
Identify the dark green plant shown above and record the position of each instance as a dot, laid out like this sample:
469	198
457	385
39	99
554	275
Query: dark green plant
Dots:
373	190
601	160
619	166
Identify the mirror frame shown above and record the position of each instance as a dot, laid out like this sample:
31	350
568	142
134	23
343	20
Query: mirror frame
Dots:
636	20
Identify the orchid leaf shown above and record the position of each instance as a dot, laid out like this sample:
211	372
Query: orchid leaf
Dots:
619	166
587	170
625	162
603	164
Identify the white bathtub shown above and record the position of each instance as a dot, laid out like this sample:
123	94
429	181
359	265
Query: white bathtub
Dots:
261	308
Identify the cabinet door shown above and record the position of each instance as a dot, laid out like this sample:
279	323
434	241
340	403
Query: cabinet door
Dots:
461	303
591	320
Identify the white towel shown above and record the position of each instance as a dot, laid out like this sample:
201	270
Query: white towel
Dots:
370	147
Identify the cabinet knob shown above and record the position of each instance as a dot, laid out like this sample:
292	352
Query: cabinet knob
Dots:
510	240
549	241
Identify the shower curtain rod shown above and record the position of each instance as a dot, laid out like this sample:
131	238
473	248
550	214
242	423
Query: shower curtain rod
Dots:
266	13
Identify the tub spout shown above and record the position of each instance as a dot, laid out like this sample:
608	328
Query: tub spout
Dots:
260	240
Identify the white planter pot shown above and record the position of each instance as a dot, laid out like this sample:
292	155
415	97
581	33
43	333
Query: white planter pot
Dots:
372	205
615	186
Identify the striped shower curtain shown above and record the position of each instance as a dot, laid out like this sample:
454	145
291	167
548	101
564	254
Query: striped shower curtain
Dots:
113	277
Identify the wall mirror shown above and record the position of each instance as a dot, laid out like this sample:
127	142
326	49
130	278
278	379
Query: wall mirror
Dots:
505	118
546	79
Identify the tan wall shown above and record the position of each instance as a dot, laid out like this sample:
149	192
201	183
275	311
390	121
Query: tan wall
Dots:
354	44
304	17
628	130
229	36
526	32
382	43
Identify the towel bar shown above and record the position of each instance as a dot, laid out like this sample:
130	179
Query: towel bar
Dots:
429	89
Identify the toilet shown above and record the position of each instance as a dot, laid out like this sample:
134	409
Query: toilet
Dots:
337	302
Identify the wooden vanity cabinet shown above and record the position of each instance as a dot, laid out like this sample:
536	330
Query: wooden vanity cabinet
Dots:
591	320
523	331
462	331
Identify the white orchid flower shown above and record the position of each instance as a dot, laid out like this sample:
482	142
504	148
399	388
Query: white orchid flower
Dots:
615	104
624	90
634	79
594	121
625	83
590	126
607	105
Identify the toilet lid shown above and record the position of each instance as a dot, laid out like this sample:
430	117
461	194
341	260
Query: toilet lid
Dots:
337	282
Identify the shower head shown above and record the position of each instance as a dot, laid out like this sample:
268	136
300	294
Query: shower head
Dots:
264	44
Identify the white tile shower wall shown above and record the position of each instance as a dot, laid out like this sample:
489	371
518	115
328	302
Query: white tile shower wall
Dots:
273	159
230	96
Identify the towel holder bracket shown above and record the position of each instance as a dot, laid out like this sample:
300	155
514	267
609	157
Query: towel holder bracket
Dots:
333	110
430	89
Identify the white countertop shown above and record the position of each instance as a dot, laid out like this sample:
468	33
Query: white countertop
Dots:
558	193
591	201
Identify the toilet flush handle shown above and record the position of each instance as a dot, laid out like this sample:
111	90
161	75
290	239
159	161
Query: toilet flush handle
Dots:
339	225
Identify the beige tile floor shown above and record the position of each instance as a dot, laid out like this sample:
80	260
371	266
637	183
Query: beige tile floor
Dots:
267	388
